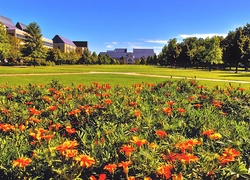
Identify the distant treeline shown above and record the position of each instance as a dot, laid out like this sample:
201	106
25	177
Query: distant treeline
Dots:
212	52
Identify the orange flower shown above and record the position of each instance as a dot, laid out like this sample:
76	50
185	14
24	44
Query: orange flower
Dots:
181	110
6	127
111	168
28	103
177	177
153	145
131	178
161	133
56	126
85	160
171	103
48	136
147	178
211	134
101	177
138	142
217	104
74	112
22	162
208	132
198	105
132	104
187	144
165	171
137	113
108	101
168	110
124	165
22	127
228	155
127	149
34	111
70	130
67	145
52	108
70	153
5	111
35	120
187	158
231	151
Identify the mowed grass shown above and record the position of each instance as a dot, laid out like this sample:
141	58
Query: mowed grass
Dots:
51	73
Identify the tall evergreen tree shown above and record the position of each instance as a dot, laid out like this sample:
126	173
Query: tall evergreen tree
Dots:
33	42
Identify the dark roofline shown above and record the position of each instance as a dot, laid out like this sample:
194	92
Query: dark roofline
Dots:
60	39
81	43
21	26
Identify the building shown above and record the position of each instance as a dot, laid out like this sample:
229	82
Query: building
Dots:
18	31
122	55
81	46
63	44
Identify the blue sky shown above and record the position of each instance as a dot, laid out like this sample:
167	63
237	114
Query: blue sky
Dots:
109	24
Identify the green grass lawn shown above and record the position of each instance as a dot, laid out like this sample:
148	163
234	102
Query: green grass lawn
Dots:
114	79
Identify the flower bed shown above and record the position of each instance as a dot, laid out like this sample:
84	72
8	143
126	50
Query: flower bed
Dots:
171	130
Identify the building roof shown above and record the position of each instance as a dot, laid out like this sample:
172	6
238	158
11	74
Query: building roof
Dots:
137	53
7	22
81	43
60	39
21	26
121	50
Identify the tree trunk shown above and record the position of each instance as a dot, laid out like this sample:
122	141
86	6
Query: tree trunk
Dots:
246	67
237	66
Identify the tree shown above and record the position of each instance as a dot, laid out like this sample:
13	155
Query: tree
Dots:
4	43
183	60
15	48
245	46
54	55
163	55
94	58
213	51
33	42
86	57
229	49
192	45
174	50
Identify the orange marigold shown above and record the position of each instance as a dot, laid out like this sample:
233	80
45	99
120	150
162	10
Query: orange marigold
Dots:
161	133
111	168
138	142
127	149
85	160
22	162
124	165
165	171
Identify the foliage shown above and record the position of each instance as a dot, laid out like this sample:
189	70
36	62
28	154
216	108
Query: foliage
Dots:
155	131
33	42
4	43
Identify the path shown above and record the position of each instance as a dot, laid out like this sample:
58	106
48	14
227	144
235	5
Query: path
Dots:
128	73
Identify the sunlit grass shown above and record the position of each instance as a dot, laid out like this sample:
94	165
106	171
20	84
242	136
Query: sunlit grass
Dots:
115	79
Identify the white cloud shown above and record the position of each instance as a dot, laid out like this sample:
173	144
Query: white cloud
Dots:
110	45
184	36
157	41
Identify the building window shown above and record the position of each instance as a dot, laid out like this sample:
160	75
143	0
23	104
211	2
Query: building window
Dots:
58	47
